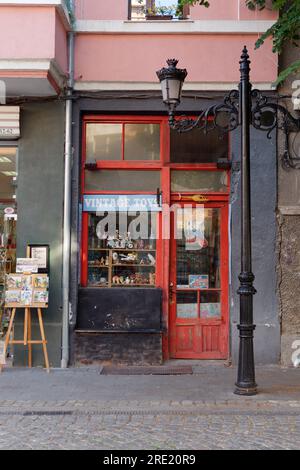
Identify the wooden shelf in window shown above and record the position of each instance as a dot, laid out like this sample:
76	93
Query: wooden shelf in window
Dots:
189	289
123	249
98	266
103	286
99	249
122	267
129	264
133	285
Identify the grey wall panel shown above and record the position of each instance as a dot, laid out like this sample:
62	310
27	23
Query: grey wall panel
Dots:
264	200
40	200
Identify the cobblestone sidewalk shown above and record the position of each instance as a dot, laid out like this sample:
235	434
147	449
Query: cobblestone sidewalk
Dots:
209	426
80	409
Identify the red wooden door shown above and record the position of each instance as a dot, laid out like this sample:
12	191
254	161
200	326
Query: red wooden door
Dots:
199	282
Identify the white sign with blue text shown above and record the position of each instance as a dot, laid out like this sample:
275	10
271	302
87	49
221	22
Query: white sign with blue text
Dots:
121	202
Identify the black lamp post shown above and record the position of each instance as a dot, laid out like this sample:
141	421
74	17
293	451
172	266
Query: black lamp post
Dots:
243	108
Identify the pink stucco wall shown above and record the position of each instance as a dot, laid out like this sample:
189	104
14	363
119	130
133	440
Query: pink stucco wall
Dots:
101	9
61	46
229	10
266	14
218	10
27	32
32	33
208	58
38	33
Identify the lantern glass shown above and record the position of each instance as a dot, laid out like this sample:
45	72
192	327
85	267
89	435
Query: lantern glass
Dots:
171	90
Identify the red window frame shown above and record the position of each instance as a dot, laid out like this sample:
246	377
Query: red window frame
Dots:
163	165
138	165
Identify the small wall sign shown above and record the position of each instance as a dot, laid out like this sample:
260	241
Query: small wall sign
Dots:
27	265
121	202
9	210
41	254
9	122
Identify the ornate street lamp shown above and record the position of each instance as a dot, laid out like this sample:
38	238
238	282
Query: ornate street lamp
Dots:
171	80
243	108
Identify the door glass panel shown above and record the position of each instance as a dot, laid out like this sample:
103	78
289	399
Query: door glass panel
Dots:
142	141
103	142
121	180
199	181
198	248
187	306
210	305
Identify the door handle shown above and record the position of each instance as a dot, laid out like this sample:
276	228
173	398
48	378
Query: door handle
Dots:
172	291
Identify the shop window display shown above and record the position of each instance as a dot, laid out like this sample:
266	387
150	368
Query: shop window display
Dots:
119	257
8	216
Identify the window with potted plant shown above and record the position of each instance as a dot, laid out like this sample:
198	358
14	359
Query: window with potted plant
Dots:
160	10
152	10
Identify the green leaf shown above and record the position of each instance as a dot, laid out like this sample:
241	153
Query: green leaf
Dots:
293	68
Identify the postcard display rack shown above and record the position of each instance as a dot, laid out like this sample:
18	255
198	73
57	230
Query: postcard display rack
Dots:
27	291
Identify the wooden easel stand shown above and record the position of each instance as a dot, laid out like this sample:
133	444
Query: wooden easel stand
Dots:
27	335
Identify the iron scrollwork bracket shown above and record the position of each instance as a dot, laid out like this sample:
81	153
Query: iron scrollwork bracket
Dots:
211	118
265	116
278	117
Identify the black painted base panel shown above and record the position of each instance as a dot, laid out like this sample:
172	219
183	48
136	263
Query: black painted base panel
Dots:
117	348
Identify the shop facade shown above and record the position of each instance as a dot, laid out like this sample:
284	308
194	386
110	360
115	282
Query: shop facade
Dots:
162	283
148	180
181	302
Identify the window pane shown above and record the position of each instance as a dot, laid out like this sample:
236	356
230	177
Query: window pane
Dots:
187	306
198	248
210	305
197	147
8	218
122	249
103	142
120	180
8	173
138	9
142	141
198	181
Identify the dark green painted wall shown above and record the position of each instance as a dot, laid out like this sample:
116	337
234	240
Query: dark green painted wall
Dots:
40	209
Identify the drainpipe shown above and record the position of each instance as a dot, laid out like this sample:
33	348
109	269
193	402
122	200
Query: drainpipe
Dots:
67	199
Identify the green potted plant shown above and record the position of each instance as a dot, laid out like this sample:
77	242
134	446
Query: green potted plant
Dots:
160	12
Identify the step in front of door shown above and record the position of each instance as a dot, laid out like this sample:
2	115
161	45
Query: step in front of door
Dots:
146	370
134	349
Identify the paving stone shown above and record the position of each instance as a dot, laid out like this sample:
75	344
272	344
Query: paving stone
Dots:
154	432
83	410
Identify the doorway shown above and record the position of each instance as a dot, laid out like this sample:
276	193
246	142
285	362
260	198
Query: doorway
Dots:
198	293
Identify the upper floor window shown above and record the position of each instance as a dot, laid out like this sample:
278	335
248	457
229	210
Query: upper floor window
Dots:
157	9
